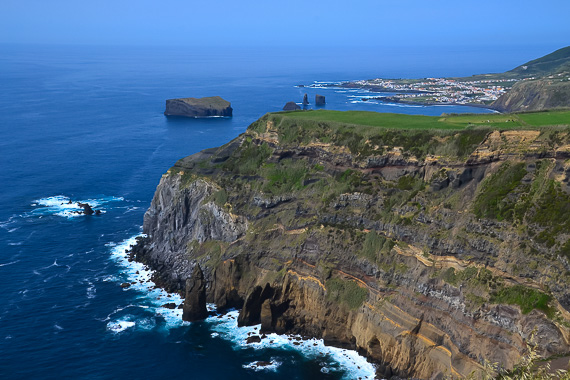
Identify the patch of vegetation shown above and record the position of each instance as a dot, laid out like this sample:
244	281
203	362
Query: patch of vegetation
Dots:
220	197
285	177
527	298
375	244
552	210
346	292
491	201
472	276
408	182
248	158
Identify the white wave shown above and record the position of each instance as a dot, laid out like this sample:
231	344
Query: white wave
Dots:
348	361
16	244
263	366
58	327
10	263
63	206
225	326
91	290
119	325
139	277
8	222
363	102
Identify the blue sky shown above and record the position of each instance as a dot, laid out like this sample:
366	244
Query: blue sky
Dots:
366	23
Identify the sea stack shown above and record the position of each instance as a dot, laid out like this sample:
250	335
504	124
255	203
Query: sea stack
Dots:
306	100
319	100
198	107
194	307
291	106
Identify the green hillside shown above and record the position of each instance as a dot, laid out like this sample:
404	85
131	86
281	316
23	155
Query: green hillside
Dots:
556	62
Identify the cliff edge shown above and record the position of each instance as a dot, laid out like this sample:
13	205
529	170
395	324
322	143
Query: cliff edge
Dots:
428	244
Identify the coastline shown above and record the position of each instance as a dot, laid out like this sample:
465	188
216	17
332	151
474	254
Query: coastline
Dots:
385	99
223	323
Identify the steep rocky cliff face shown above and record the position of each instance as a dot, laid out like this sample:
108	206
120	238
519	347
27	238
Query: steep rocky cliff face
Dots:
536	95
428	251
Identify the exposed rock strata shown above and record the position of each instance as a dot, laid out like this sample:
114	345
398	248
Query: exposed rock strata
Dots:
376	265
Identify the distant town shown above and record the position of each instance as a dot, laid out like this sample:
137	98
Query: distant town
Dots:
433	90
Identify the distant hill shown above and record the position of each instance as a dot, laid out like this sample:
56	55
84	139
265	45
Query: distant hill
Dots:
553	63
535	95
549	87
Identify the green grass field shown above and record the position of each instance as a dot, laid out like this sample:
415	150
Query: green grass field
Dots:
401	121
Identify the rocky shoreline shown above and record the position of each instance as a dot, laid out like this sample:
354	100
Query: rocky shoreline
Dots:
406	287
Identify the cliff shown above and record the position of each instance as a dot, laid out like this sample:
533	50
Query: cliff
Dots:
198	107
535	95
429	247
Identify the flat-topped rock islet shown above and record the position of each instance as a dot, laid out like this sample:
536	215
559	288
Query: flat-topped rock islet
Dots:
213	106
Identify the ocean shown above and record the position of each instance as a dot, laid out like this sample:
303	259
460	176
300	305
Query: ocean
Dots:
86	124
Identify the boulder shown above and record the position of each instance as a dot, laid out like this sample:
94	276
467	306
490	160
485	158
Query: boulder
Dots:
87	210
253	339
319	100
194	307
291	106
198	107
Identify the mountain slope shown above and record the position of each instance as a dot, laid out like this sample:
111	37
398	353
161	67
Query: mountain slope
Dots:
553	63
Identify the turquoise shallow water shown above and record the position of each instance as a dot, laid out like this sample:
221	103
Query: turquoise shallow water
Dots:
86	124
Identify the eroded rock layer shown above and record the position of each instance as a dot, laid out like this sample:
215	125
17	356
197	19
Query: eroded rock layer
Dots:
428	251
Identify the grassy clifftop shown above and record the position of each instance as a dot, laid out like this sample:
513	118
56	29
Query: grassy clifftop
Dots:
400	121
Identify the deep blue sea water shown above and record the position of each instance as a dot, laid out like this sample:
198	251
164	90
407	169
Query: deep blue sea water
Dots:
86	124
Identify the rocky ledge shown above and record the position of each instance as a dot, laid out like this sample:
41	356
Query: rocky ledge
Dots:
198	107
430	252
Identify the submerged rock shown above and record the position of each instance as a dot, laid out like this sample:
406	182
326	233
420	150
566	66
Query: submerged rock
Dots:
198	107
87	210
253	339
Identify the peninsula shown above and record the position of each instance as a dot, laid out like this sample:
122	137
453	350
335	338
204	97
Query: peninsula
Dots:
430	244
212	106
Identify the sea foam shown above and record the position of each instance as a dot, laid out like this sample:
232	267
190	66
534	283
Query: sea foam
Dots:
60	205
224	326
348	361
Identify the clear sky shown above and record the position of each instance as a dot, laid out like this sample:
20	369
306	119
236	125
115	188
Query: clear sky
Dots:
287	23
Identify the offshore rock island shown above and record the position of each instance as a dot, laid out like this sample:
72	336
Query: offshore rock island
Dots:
430	244
212	106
